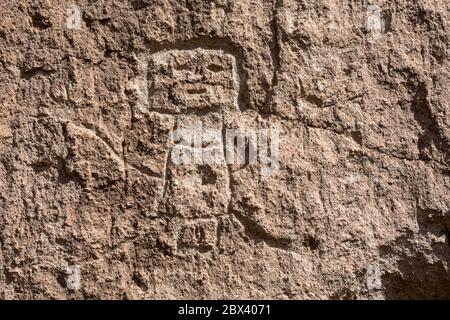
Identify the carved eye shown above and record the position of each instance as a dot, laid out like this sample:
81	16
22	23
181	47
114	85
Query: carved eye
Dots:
183	67
215	68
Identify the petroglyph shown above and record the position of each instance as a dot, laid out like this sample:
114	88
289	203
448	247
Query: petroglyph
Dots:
183	81
200	234
193	85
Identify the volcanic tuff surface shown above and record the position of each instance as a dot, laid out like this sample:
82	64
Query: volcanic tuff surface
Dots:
92	207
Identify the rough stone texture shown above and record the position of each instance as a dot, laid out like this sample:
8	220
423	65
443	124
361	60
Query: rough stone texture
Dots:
360	205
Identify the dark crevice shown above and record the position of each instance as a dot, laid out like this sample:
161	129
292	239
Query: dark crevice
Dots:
311	242
276	60
432	133
257	233
27	75
40	22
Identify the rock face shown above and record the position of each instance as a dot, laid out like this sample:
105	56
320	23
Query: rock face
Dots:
94	205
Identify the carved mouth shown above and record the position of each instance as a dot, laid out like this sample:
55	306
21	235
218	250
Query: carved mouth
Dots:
195	96
197	91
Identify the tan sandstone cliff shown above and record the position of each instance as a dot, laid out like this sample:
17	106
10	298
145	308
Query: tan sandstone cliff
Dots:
93	206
